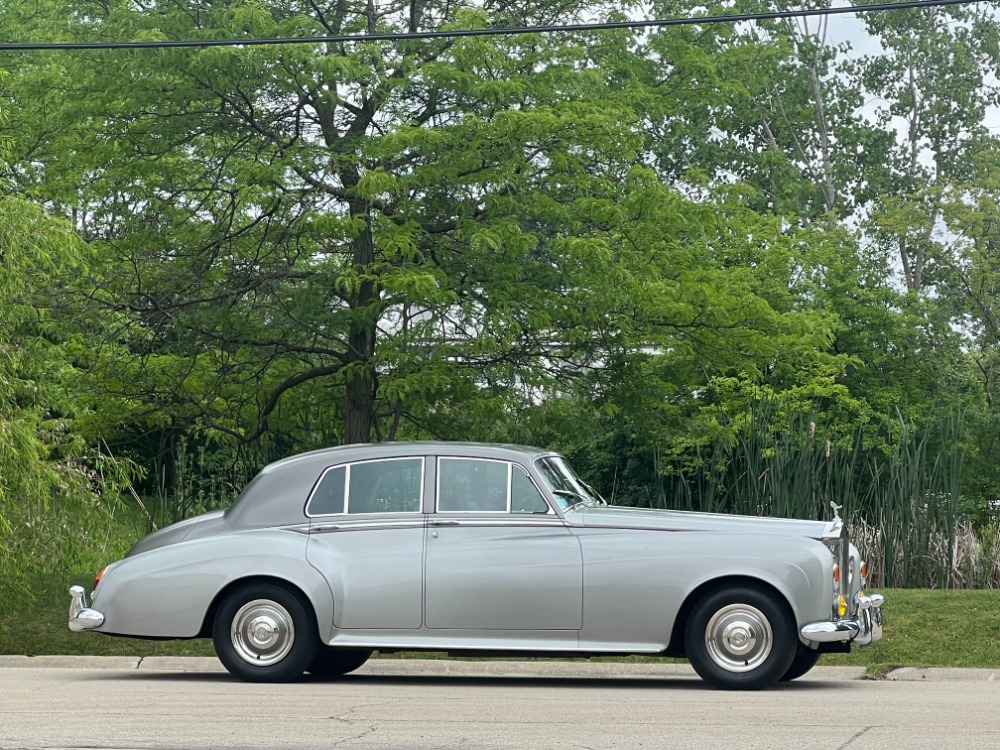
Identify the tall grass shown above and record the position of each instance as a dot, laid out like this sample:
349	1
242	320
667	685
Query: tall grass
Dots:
200	480
898	488
60	538
64	526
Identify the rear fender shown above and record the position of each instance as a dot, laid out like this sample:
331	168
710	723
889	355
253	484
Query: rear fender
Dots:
169	591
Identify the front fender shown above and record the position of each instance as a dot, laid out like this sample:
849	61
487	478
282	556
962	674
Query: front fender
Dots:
801	570
654	574
167	592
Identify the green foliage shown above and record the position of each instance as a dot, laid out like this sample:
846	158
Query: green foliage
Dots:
47	464
666	254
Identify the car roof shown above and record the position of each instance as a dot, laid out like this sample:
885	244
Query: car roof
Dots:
284	485
363	451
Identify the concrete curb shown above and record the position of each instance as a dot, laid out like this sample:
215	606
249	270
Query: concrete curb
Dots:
918	674
70	662
487	668
410	667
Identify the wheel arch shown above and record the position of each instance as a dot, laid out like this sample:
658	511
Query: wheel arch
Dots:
676	645
220	596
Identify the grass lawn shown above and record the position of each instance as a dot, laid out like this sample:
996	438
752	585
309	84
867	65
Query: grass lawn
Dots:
922	628
925	628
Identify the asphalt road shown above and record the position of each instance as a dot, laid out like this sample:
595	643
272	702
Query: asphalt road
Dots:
59	702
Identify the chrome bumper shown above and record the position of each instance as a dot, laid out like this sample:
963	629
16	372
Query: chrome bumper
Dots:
863	628
81	617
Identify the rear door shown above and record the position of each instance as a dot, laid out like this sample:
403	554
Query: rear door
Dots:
366	536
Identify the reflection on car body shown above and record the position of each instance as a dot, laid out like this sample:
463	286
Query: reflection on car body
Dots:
472	548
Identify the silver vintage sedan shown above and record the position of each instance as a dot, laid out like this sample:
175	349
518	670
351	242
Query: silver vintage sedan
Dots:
473	548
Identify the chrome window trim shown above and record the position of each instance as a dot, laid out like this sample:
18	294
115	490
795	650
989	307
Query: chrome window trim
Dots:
347	487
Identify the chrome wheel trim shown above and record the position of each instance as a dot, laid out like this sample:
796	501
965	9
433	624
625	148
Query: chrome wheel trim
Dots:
262	632
739	638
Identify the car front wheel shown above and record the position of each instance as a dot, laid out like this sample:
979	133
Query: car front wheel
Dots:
740	638
265	633
336	662
801	664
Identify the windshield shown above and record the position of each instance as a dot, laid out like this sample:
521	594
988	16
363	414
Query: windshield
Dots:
568	488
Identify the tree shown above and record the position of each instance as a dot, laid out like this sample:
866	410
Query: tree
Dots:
935	77
329	215
423	233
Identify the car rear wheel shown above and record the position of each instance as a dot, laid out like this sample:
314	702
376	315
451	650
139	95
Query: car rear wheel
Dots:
740	638
335	662
801	664
265	633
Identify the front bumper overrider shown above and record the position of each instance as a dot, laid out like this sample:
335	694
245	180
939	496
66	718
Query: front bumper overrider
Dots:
862	628
82	617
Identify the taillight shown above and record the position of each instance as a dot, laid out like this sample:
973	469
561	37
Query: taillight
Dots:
98	576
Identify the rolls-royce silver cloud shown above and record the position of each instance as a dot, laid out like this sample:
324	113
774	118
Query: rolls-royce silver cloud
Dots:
471	549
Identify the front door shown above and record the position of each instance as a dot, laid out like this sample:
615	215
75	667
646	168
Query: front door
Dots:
497	557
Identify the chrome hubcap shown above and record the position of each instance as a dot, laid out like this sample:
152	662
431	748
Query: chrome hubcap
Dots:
262	632
738	638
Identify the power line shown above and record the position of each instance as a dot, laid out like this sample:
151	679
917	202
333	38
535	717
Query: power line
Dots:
512	31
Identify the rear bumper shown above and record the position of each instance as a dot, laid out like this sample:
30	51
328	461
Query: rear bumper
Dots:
862	628
82	617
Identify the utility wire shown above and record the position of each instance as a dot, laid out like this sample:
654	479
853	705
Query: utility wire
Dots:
512	31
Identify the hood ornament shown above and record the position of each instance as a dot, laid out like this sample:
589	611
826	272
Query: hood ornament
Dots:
836	510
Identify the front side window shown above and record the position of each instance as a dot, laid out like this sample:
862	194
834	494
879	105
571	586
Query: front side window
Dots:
385	486
524	496
475	485
568	488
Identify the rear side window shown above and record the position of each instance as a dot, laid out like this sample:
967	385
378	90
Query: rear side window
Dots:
329	495
385	486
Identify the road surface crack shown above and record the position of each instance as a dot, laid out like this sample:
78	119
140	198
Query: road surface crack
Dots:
368	731
857	735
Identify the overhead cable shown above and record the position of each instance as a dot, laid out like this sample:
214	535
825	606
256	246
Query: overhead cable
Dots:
510	31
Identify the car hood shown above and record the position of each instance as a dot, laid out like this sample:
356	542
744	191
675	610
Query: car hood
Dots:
198	526
614	516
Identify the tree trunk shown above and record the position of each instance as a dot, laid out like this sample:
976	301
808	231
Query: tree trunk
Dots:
362	380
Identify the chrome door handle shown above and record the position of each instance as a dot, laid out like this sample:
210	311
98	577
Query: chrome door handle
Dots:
324	528
445	523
